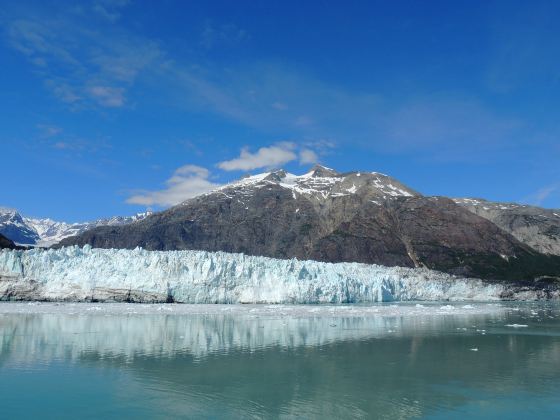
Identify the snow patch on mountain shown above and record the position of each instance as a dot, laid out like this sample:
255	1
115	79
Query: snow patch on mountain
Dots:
47	232
321	183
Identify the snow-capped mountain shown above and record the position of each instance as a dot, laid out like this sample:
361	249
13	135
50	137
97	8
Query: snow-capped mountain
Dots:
46	232
16	228
328	216
322	183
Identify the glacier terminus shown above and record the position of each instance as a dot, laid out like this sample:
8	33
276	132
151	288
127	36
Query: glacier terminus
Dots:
110	275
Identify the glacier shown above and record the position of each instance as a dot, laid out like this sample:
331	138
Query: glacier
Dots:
116	275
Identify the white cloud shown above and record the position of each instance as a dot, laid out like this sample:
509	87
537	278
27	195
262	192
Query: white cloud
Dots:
308	156
190	180
187	181
266	157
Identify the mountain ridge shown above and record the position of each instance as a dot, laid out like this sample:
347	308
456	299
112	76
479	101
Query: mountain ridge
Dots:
328	216
45	232
534	226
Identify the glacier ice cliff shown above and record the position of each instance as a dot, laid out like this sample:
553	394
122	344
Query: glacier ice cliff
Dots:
86	274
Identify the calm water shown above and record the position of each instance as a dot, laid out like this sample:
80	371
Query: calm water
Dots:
385	361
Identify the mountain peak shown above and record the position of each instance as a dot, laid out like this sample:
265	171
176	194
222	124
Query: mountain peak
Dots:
320	171
7	210
276	175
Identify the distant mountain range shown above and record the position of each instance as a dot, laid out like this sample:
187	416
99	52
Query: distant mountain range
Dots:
46	232
352	217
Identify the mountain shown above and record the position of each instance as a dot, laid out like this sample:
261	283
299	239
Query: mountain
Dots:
6	243
46	232
327	216
537	227
13	226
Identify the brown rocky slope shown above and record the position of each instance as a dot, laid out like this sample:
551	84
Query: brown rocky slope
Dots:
327	216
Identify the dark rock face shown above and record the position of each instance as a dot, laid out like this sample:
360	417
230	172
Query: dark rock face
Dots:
6	243
325	216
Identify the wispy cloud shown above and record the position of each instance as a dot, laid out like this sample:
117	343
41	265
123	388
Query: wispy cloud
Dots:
227	34
308	156
55	137
109	9
542	194
186	182
81	64
48	130
107	96
520	38
444	128
85	66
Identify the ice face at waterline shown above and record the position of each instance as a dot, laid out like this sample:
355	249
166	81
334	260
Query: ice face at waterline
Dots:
85	274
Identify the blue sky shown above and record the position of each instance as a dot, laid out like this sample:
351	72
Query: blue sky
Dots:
112	107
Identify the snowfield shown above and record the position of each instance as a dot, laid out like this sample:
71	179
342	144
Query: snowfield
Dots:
86	274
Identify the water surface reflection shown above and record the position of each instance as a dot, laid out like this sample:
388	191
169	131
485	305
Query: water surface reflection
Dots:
261	364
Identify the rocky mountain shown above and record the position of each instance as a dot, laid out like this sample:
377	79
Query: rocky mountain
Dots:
328	216
46	232
13	226
534	226
6	243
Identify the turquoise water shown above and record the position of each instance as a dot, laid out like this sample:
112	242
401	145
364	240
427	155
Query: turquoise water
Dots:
385	361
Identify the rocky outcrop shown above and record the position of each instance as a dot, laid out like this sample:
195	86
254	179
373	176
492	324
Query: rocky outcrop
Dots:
326	216
537	227
6	243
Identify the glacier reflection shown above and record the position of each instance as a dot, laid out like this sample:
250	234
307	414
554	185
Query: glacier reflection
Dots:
53	331
386	361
